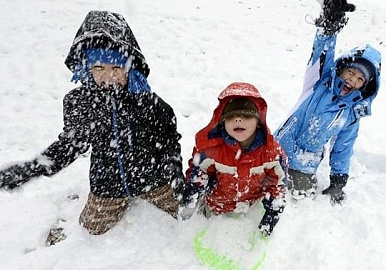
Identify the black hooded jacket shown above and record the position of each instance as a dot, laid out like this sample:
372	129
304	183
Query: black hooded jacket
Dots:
103	29
133	137
134	141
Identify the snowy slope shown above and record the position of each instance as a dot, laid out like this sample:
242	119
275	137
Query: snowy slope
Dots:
194	50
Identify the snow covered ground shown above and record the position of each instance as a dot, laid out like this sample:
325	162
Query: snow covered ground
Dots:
194	49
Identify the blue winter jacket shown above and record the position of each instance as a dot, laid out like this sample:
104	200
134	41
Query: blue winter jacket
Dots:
321	114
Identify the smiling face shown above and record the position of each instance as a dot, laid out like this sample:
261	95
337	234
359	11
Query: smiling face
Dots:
242	128
353	79
109	76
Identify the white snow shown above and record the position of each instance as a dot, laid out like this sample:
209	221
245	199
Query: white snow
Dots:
194	49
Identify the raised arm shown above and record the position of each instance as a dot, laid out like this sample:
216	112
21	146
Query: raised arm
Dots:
330	22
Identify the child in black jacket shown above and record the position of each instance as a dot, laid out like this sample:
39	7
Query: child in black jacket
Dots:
132	131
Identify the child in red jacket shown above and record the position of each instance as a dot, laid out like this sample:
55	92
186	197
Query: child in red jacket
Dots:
236	161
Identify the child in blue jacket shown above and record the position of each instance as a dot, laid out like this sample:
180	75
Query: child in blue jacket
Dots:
336	95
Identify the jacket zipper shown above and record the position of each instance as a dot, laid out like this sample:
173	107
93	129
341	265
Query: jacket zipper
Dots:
337	116
283	130
118	148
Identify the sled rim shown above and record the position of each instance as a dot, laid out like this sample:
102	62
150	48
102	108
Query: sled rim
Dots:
221	261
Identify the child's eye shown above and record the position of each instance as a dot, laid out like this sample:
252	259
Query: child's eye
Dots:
117	68
97	67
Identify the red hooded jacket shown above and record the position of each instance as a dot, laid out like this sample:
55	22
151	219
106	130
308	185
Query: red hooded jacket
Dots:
237	176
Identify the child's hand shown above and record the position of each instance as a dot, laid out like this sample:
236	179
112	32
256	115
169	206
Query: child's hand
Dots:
13	177
333	17
268	222
194	191
17	175
273	207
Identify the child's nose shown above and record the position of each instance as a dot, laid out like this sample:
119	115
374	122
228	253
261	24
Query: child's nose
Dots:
356	82
110	76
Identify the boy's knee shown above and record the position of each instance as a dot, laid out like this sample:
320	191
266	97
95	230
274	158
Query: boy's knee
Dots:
302	184
100	214
163	199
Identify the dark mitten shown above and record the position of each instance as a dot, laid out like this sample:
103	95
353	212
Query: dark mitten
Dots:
268	222
270	218
17	175
192	194
333	16
335	190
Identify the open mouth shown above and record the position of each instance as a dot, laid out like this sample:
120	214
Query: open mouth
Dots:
238	129
112	87
347	88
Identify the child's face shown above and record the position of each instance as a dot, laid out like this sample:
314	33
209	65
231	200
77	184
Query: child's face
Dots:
242	128
353	79
109	76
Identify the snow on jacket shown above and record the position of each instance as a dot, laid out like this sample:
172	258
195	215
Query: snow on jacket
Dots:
132	134
321	114
236	178
103	29
134	141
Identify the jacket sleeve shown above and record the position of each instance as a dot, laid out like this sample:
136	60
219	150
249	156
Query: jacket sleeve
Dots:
321	61
275	186
74	140
276	176
319	66
342	149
